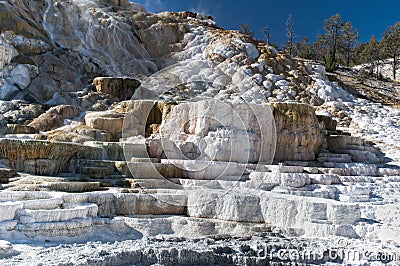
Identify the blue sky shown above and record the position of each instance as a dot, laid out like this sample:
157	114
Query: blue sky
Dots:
369	17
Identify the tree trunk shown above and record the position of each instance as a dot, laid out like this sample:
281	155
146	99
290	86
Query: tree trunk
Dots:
348	54
394	66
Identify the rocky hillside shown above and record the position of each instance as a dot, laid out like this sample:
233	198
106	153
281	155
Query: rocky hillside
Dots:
52	51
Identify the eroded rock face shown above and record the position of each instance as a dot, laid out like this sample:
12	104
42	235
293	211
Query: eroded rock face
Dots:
20	129
222	132
144	117
121	88
212	130
37	157
298	134
135	44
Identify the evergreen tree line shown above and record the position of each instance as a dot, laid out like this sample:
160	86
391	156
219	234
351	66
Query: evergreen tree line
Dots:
339	45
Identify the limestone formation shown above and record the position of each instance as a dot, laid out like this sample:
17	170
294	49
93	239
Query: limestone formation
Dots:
111	122
164	139
38	157
298	134
20	129
221	132
143	117
121	88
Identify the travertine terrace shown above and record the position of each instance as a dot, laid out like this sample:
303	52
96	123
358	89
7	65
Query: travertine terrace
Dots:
136	138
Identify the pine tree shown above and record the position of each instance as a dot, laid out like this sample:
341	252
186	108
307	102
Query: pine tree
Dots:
305	50
331	40
321	51
391	45
349	40
357	50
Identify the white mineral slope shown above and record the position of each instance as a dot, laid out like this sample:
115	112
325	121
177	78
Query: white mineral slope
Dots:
378	123
385	69
371	121
381	125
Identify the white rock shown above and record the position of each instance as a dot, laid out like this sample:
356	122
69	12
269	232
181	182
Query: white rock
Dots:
259	66
294	179
20	76
70	228
323	113
274	78
6	249
273	49
267	177
225	52
275	209
247	72
257	78
324	179
267	84
251	50
282	83
57	215
8	210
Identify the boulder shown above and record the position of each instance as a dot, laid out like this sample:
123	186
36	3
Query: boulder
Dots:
8	92
110	122
15	78
55	117
6	173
